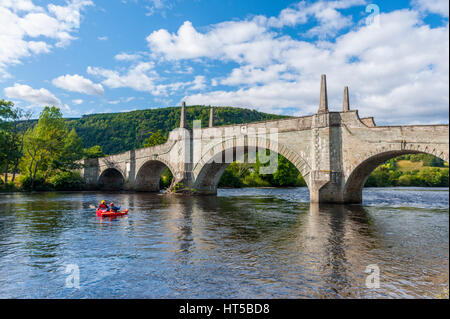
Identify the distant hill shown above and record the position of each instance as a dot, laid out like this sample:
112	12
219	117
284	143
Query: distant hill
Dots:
119	132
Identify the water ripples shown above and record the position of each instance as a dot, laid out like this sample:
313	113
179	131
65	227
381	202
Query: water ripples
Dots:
246	243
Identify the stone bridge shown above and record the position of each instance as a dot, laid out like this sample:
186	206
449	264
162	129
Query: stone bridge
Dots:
334	151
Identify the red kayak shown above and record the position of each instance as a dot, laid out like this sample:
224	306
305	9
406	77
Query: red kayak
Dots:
109	213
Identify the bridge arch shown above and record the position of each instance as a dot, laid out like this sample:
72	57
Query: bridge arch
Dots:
209	169
370	161
111	179
149	175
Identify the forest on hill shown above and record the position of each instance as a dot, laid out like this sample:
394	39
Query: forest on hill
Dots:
119	132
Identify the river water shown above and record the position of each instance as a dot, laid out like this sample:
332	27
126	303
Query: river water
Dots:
244	243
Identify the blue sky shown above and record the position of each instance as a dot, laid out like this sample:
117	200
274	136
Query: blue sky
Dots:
94	56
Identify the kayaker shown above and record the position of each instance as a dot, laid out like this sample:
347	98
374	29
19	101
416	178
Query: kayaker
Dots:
103	205
114	208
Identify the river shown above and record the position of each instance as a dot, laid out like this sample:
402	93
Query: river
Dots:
244	243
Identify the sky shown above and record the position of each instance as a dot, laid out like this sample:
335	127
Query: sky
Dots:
102	56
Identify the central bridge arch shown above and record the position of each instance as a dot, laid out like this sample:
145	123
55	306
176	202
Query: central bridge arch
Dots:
208	171
149	175
111	179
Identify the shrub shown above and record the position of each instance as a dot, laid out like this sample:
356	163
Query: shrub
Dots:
7	187
166	179
67	181
230	179
39	183
255	180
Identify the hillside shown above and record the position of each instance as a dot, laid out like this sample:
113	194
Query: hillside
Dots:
119	132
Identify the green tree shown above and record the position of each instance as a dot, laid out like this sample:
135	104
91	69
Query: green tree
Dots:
11	137
286	174
166	179
93	152
432	161
155	139
233	175
6	138
71	153
45	144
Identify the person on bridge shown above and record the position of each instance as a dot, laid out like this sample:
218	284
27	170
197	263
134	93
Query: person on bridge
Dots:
103	205
114	208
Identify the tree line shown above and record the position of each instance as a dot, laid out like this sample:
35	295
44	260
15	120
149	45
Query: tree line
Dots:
45	153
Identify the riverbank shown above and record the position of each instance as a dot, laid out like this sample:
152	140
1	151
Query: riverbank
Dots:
404	171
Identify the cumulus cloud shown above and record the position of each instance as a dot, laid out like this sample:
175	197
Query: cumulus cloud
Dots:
225	40
41	97
29	29
77	83
140	77
436	6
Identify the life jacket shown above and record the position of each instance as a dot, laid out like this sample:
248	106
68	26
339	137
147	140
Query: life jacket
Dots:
103	206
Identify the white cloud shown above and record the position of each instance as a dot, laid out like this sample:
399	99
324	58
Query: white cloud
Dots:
435	6
140	77
129	99
41	97
199	83
77	83
273	97
224	40
154	6
127	57
19	5
103	38
77	101
28	29
251	75
329	19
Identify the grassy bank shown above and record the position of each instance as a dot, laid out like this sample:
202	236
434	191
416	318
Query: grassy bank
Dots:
411	170
61	181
